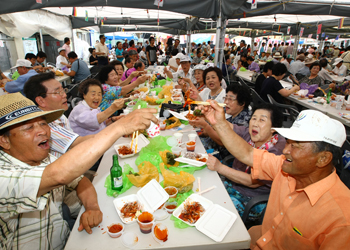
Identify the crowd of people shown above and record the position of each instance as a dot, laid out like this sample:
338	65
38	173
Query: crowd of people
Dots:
44	154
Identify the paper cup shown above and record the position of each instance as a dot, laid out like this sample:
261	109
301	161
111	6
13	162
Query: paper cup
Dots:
126	111
178	137
192	137
153	130
145	221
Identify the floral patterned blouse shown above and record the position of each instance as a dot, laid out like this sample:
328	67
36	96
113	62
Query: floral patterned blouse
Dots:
111	93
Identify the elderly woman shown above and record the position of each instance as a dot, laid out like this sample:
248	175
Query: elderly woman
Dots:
196	81
87	118
237	101
110	80
212	77
261	135
314	78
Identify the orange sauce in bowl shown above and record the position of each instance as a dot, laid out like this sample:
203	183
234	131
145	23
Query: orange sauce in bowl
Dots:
161	234
115	228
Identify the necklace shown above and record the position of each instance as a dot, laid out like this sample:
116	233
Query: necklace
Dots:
215	95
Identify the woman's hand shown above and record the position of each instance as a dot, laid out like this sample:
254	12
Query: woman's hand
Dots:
118	104
135	74
143	78
213	163
194	94
214	114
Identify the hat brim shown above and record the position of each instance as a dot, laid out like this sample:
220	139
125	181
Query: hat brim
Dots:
49	116
277	56
335	64
15	67
297	135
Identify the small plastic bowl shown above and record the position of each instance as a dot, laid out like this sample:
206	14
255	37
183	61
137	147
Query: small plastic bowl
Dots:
130	239
311	96
176	151
170	210
115	235
168	189
160	226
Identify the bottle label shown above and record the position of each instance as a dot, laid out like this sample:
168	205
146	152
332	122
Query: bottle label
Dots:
118	181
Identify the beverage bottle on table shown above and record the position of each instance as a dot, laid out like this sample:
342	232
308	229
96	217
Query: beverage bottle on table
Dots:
329	94
116	174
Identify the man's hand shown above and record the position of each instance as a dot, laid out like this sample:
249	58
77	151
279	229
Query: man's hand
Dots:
166	70
65	72
198	122
213	163
143	78
137	120
118	104
214	114
136	73
89	219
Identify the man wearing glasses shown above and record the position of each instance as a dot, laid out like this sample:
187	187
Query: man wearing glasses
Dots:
102	51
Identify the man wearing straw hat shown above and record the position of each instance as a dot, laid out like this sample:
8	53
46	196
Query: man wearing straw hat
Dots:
308	206
33	181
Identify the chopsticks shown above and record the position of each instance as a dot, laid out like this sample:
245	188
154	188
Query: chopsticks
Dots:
135	135
207	103
206	190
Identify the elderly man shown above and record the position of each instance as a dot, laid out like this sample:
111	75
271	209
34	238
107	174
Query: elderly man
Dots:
31	208
297	65
24	68
287	61
308	206
339	68
102	51
305	71
174	61
61	60
186	71
79	69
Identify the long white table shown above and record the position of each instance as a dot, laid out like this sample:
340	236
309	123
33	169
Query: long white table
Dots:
64	78
189	238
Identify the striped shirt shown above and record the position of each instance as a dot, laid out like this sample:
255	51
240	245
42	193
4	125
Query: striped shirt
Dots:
62	136
28	221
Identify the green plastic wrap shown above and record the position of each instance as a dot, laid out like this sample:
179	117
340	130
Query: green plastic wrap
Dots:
161	83
140	103
189	170
157	90
151	151
168	79
242	69
184	122
126	183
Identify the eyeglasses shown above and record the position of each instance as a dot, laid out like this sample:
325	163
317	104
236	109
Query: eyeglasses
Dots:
229	99
59	92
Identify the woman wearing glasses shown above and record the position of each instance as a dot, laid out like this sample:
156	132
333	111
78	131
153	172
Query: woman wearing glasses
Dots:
237	101
86	118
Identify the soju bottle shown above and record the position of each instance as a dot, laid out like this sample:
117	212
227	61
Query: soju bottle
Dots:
329	94
116	174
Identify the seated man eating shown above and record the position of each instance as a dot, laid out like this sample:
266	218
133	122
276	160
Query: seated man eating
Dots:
33	181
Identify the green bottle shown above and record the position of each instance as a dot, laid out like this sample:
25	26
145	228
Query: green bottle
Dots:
116	175
329	94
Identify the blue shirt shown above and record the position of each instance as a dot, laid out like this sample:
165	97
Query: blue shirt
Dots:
119	52
81	70
18	85
304	71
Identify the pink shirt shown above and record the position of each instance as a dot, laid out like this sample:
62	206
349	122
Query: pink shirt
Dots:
67	48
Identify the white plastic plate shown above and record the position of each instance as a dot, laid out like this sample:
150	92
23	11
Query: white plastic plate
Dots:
193	197
192	162
152	196
142	142
178	115
120	202
216	222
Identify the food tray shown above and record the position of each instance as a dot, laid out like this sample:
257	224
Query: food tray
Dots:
193	197
142	142
178	115
192	162
150	198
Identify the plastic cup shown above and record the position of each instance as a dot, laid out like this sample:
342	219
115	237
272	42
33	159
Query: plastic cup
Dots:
347	106
115	234
162	123
170	206
176	151
172	191
178	137
191	146
145	221
126	111
153	93
153	130
339	105
171	141
192	137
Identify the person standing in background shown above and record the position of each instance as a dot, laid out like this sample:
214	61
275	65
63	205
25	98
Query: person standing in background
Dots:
66	46
119	51
102	51
125	44
151	52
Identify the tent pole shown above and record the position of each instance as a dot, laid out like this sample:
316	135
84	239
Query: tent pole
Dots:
220	40
188	43
252	43
41	40
295	49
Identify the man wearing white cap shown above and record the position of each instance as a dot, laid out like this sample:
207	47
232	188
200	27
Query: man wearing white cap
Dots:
339	68
24	68
174	61
61	60
186	71
308	206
